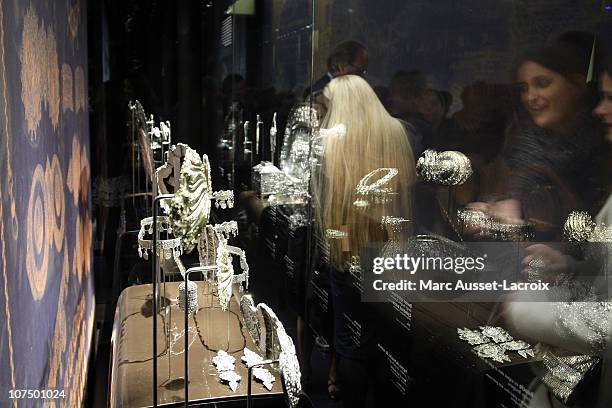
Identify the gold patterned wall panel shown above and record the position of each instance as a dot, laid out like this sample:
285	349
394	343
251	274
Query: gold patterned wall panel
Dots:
46	286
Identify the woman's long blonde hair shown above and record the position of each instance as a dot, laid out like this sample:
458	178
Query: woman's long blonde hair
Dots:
373	139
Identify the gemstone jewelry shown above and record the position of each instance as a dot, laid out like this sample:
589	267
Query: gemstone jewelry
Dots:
521	347
376	192
223	361
230	377
168	174
225	270
166	248
497	334
493	351
474	219
447	168
243	277
355	264
493	342
265	376
579	226
298	220
278	343
261	374
566	375
191	294
207	246
395	225
473	337
250	357
228	229
190	206
250	318
302	124
225	273
224	199
491	228
335	234
534	268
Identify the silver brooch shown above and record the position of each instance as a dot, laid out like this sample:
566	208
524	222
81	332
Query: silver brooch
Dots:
473	337
497	334
230	377
492	351
265	376
493	342
224	361
261	374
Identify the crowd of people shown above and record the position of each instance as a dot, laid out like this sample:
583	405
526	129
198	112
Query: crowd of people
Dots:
538	150
537	145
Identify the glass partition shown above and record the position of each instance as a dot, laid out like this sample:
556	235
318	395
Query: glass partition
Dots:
502	143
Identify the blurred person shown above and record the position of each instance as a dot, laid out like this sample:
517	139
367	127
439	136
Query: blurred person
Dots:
554	146
581	327
407	92
373	140
348	58
478	127
433	107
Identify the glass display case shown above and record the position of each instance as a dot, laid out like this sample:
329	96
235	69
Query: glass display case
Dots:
410	180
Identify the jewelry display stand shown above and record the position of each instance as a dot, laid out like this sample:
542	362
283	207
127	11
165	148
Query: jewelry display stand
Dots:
216	266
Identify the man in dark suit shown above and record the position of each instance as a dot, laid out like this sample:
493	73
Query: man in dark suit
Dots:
348	58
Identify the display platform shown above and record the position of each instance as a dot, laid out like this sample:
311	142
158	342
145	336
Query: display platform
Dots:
210	330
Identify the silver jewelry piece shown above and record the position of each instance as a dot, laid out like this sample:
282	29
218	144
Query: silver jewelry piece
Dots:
375	192
288	361
497	334
335	234
231	377
579	226
249	317
191	294
394	224
489	227
190	206
250	357
492	351
223	361
473	337
265	376
447	168
302	123
493	342
526	353
225	273
224	199
242	277
166	248
228	229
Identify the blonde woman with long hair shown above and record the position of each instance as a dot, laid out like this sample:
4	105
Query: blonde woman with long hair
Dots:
373	140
